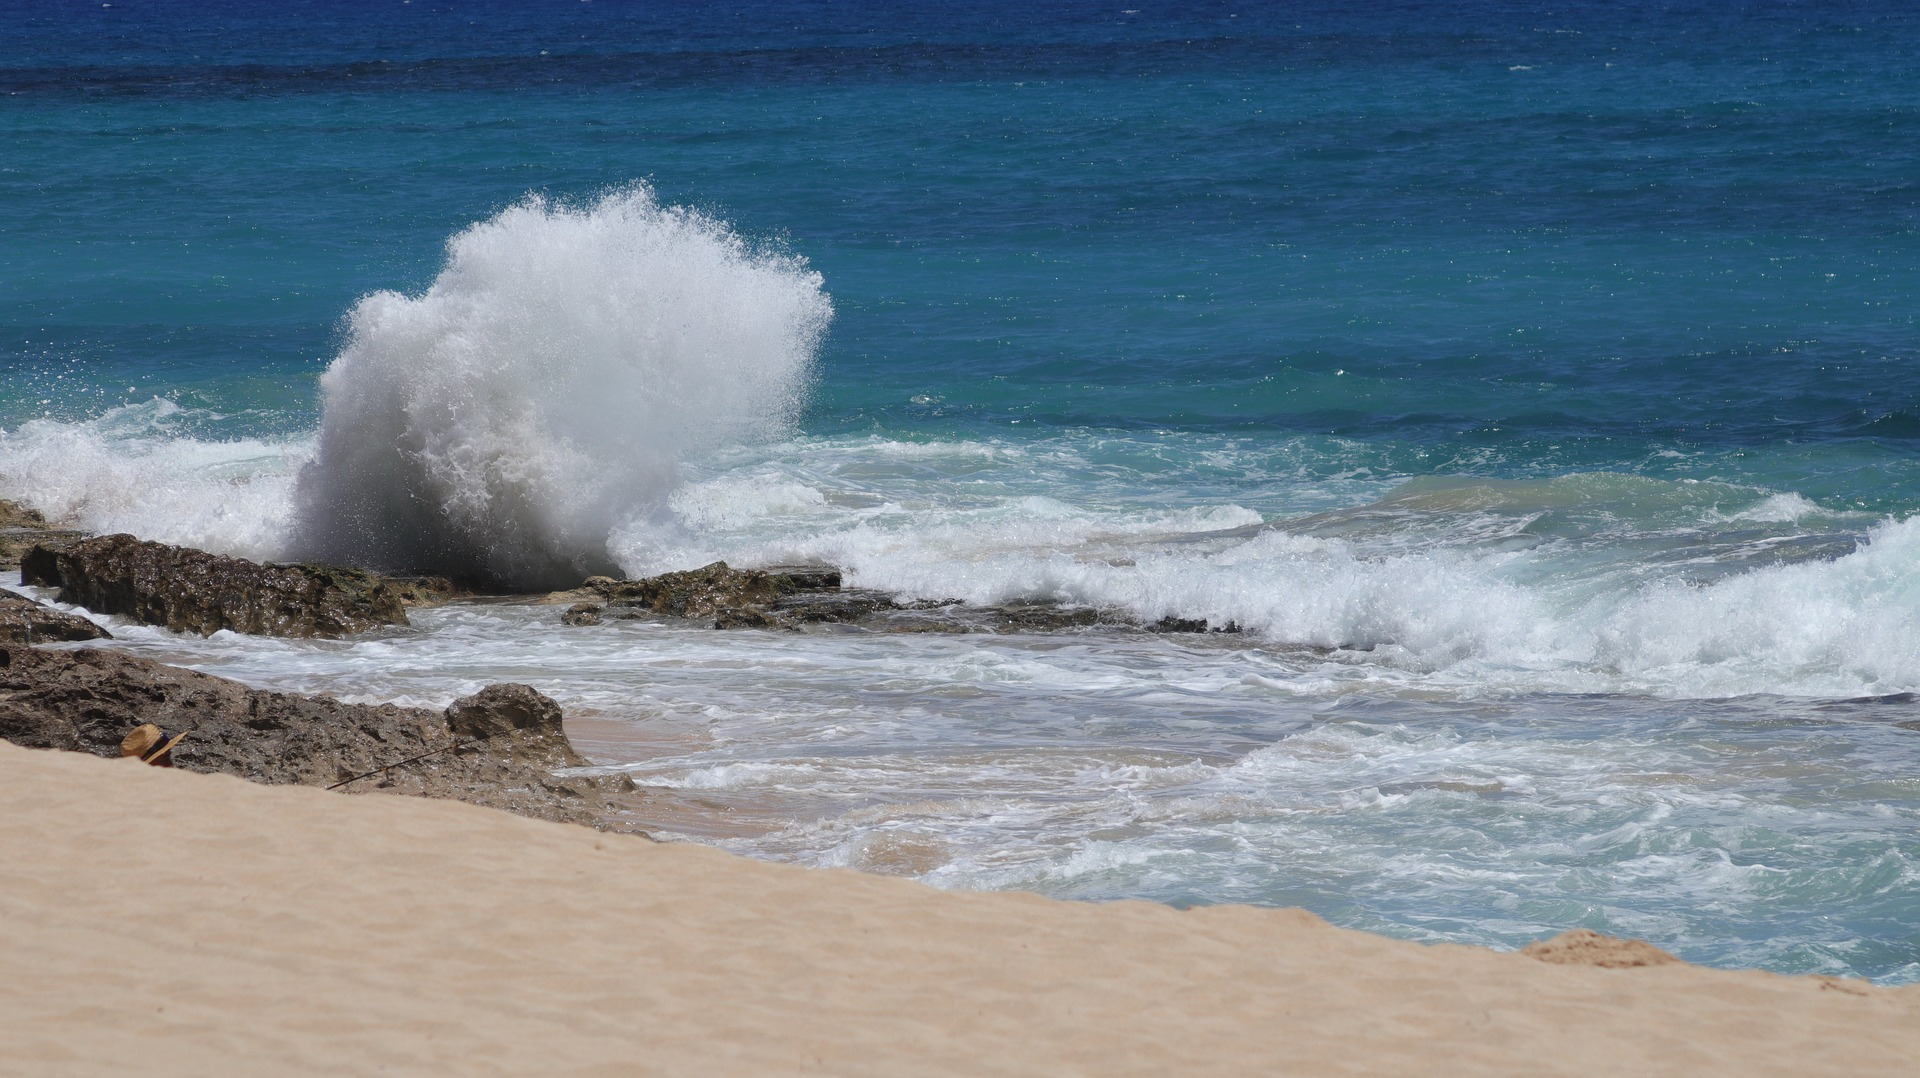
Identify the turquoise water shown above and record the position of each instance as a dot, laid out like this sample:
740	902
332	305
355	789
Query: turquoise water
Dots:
1534	389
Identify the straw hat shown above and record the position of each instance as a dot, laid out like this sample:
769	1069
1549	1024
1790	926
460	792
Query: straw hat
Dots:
146	743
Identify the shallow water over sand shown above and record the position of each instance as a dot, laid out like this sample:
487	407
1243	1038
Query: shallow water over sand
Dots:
1747	832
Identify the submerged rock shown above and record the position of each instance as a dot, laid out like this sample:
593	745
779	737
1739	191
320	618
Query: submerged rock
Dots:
1171	624
22	528
498	748
189	590
24	621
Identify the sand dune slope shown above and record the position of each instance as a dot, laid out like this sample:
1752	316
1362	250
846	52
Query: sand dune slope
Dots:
159	922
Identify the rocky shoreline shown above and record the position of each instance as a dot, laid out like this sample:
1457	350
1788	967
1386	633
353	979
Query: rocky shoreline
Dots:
501	748
187	590
504	747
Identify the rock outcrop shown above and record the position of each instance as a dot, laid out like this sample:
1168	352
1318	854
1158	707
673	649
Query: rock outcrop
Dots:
24	621
22	528
718	591
498	748
800	597
189	590
726	598
509	710
417	591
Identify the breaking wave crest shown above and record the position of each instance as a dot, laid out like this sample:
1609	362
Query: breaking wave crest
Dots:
140	468
1587	583
1584	583
543	389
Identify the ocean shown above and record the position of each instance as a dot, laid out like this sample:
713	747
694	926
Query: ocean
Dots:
1532	390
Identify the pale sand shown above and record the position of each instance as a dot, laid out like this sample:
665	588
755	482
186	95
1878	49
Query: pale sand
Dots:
158	922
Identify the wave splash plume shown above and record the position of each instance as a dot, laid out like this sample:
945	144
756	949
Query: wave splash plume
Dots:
541	392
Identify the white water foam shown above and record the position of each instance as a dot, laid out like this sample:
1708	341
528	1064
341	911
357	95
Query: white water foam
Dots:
1457	617
1471	617
530	416
543	389
130	471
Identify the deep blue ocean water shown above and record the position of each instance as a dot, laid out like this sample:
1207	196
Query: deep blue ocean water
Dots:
1536	387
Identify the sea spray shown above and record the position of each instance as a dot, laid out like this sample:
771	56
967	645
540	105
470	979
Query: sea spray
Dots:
542	390
140	468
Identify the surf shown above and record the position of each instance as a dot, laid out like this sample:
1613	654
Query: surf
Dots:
499	425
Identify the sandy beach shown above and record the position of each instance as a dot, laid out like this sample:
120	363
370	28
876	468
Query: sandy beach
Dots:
162	922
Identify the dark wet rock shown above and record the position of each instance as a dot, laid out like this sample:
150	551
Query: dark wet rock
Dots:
190	590
783	597
812	598
748	617
506	709
1046	617
798	609
953	616
22	528
955	619
1191	625
417	591
521	731
796	578
498	748
718	591
24	621
582	614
